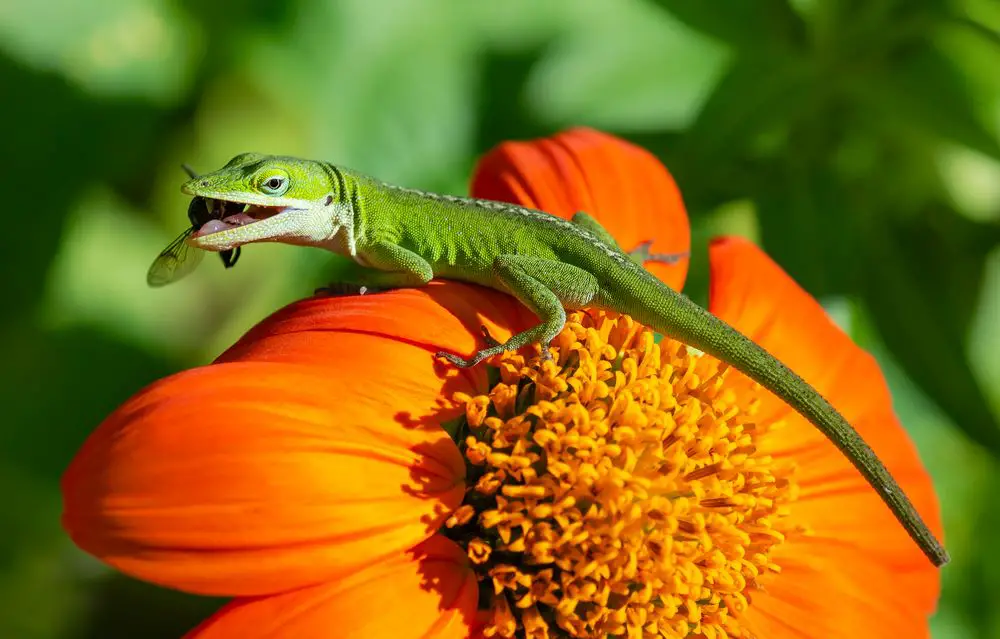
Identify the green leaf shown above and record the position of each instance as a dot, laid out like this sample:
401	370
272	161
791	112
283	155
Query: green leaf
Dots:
112	47
384	97
751	24
975	577
599	73
65	132
921	286
926	93
759	95
57	386
807	226
40	596
503	114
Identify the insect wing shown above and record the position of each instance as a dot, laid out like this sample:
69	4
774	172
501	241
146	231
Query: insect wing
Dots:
174	262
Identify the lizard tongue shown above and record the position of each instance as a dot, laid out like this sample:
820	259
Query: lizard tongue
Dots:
213	226
229	222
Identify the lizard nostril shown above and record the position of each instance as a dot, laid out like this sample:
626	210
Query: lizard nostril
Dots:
204	182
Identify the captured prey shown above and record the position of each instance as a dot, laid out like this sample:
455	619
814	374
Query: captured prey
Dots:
404	237
179	258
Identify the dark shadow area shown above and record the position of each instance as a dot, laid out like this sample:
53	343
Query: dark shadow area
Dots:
60	141
57	387
124	608
503	114
921	285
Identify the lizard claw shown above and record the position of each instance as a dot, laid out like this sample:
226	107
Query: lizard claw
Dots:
459	361
493	347
489	339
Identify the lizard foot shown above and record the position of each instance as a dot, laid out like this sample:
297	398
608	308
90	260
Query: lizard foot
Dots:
477	357
495	348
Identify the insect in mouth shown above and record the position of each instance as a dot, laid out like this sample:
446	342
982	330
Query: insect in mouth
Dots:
179	259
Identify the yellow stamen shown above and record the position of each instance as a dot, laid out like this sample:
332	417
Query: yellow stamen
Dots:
618	491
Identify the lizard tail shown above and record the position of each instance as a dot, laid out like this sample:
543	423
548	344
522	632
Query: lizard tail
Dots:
674	315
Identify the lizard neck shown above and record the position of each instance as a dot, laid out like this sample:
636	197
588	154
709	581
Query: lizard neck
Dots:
342	211
339	236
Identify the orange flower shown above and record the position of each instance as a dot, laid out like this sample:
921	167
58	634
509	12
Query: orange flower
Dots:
312	472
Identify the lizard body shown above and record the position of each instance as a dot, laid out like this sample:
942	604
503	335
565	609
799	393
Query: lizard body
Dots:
402	237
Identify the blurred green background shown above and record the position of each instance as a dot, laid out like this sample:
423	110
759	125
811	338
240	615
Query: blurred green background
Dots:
856	140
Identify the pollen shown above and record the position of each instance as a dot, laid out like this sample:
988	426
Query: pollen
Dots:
617	490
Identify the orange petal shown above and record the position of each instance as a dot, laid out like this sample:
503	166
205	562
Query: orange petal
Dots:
832	595
269	471
428	593
620	184
872	577
256	477
442	316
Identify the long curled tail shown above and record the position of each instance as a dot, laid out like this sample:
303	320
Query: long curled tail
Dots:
673	314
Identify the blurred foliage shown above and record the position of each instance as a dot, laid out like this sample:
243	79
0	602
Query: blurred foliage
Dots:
857	141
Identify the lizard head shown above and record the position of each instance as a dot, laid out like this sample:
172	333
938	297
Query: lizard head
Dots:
266	198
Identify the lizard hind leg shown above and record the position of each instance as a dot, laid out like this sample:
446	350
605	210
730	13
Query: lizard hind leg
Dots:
589	223
544	286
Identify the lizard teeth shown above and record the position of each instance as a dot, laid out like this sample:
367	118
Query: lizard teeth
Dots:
237	215
240	219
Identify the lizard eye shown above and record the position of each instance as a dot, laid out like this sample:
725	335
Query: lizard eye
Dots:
275	185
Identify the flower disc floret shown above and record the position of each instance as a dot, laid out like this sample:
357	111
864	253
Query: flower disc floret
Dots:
617	490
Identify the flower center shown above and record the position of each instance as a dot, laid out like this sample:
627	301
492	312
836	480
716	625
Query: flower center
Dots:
617	491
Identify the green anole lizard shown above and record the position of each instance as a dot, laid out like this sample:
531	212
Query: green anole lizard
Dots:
405	237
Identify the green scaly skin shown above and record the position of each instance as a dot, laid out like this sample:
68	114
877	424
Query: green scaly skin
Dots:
405	238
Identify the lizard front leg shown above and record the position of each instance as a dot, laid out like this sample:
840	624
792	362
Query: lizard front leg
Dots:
546	287
385	266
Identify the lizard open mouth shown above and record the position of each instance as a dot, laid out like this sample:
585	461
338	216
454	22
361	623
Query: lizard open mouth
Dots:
225	216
